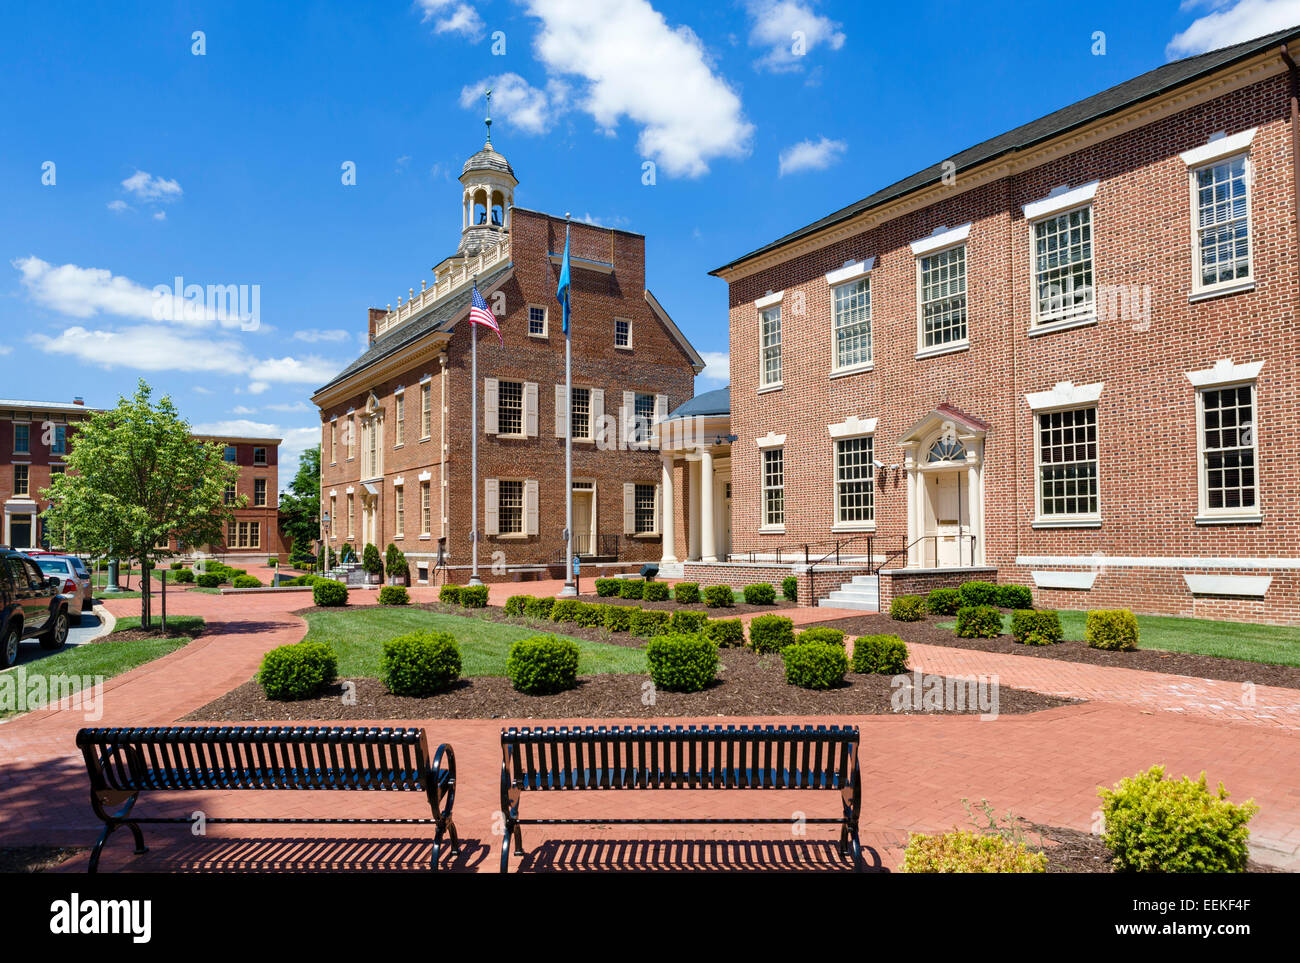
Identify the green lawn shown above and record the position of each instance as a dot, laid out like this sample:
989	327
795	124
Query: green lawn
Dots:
103	659
358	637
1277	644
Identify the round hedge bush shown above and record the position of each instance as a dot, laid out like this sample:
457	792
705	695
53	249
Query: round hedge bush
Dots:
543	665
821	633
1112	629
979	593
607	587
725	632
209	580
656	591
1015	597
394	595
517	605
719	597
648	622
979	622
297	671
246	581
185	577
760	594
474	596
539	608
617	618
688	622
790	588
907	608
566	610
943	601
631	588
883	654
420	664
1035	627
449	594
688	593
682	663
328	593
815	665
770	633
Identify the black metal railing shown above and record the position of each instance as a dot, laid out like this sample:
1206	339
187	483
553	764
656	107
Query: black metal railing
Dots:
929	554
801	551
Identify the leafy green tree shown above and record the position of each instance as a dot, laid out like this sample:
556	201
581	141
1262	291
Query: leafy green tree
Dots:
300	505
136	478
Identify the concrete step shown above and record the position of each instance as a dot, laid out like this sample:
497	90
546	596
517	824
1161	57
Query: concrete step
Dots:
843	595
849	604
871	580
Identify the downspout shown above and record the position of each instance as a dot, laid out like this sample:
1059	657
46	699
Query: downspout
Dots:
1295	141
442	442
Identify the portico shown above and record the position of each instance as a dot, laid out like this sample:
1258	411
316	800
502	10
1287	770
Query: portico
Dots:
943	457
695	449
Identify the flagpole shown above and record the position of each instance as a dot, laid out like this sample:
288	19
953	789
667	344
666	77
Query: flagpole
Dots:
570	588
473	457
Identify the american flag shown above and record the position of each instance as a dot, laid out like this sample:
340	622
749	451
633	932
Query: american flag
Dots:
480	313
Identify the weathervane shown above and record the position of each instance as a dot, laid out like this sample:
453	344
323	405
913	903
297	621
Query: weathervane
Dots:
488	119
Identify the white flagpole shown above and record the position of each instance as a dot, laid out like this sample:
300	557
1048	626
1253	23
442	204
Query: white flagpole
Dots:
570	587
473	457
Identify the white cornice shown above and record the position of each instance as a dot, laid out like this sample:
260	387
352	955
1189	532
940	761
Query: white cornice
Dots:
1218	147
767	300
1066	394
1225	372
771	440
1060	200
941	239
851	271
852	427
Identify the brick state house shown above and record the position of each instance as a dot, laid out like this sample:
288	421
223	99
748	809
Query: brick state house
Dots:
396	422
1065	357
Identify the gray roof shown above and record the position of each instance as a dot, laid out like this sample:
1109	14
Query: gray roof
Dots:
1116	99
438	319
716	402
488	159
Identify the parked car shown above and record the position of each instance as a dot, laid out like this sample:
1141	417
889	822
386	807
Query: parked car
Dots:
32	606
76	581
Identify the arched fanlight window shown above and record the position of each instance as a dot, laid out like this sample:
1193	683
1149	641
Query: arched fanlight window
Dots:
947	448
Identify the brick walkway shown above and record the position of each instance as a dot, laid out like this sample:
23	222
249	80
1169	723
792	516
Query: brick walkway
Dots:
1045	766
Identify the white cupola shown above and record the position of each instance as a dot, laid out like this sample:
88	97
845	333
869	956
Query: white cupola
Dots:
488	194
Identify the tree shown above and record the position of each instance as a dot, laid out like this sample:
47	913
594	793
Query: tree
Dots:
136	478
300	506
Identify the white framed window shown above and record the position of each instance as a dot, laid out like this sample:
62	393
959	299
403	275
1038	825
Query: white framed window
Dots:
1221	243
425	515
352	530
259	492
1067	464
426	410
643	501
22	475
334	515
855	481
941	296
510	407
334	441
773	487
1229	483
510	506
622	333
350	430
537	321
259	456
851	308
399	510
769	327
22	438
1064	288
399	419
581	409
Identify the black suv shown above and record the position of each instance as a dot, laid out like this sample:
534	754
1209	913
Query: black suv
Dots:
31	606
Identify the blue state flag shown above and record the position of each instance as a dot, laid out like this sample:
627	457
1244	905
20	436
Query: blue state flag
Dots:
562	292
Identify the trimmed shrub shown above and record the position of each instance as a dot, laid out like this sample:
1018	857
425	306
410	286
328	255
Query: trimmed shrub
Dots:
326	592
719	597
630	588
449	594
371	562
566	610
394	595
682	663
760	594
617	618
943	601
962	851
790	588
688	622
517	605
1113	629
656	591
907	608
979	593
688	593
474	596
883	654
208	580
419	664
246	581
1035	627
175	566
979	622
1157	825
591	614
815	665
821	633
770	633
607	587
1015	597
395	560
297	671
725	632
185	577
648	622
539	608
542	665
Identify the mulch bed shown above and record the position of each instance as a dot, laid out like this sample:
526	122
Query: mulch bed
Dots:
33	859
928	632
188	630
749	685
740	608
1074	851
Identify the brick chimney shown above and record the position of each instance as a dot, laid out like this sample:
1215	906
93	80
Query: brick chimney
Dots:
79	401
375	315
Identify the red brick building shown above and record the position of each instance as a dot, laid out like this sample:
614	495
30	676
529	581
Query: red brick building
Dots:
254	530
396	423
34	440
1065	357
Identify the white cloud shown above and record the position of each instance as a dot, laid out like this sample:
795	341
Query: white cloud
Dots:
717	368
513	98
6	349
291	406
160	215
789	30
146	187
312	335
145	348
118	206
808	155
243	410
1229	22
290	370
452	16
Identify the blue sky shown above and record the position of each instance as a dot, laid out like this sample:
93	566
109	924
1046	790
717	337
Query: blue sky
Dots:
225	167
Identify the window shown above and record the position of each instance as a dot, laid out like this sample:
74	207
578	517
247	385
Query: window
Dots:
510	507
510	408
229	453
56	470
59	443
536	321
854	481
943	298
1067	463
769	323
350	432
622	333
351	517
1228	480
1063	287
399	431
643	417
22	438
259	492
21	475
1222	219
259	456
774	487
852	323
581	408
426	410
399	510
334	514
425	519
334	441
230	495
644	507
243	535
370	466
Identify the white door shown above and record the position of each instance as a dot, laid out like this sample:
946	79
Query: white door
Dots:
946	500
584	536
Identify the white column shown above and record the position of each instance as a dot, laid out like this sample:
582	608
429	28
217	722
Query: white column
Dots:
708	531
693	509
975	499
667	508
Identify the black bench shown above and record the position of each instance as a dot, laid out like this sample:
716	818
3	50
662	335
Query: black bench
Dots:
707	757
123	763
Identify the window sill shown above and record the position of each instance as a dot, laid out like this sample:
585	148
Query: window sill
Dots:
1242	519
853	369
400	444
397	537
1051	327
511	437
1082	522
868	528
622	347
425	537
777	386
510	536
644	535
939	352
1209	294
771	530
